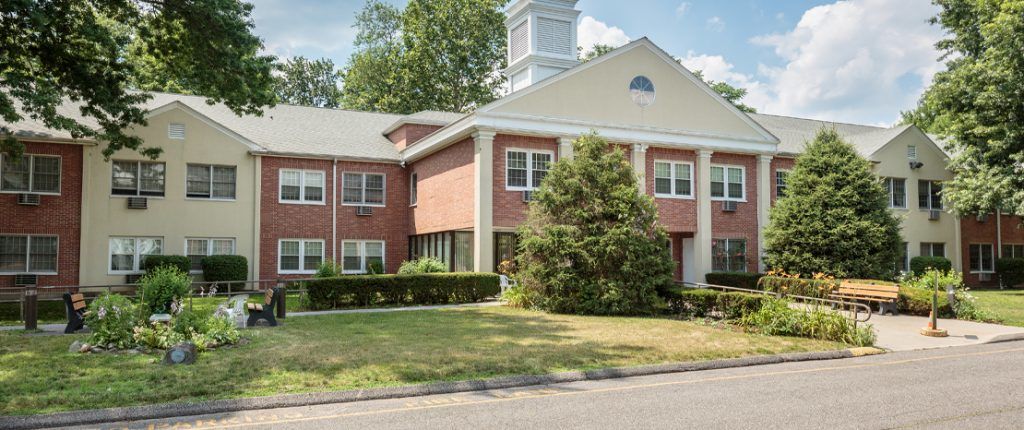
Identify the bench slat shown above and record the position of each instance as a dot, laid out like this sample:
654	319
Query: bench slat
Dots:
78	305
865	298
77	297
870	287
853	292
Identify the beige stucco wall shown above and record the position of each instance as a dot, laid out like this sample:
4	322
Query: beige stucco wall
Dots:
173	217
892	161
601	94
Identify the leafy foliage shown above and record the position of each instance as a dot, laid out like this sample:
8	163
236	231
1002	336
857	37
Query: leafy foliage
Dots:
593	52
818	285
422	265
1010	271
592	243
777	318
920	264
180	262
689	302
835	217
84	62
163	288
111	318
307	82
421	289
728	92
225	268
734	279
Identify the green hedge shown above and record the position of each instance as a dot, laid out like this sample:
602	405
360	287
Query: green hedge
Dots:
820	288
690	302
921	264
1010	271
225	268
734	279
181	262
419	289
918	301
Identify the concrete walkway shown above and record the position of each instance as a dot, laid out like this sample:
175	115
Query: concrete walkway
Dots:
902	333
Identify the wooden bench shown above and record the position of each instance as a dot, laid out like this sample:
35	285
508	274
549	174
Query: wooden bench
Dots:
76	310
885	295
264	311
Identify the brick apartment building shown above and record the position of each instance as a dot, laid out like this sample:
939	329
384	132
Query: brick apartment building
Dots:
299	186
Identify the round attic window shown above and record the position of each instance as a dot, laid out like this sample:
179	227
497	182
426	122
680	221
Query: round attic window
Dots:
641	90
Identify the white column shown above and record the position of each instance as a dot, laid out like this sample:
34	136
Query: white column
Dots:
764	203
702	238
565	148
483	196
640	166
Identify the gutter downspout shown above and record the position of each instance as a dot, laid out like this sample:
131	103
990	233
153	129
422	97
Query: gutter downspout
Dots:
999	234
334	213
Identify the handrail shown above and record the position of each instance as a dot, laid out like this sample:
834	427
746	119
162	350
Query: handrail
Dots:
854	306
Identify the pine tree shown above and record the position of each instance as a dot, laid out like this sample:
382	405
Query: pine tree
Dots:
835	217
592	243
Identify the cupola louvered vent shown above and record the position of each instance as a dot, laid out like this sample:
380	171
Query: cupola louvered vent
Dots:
554	36
176	131
519	43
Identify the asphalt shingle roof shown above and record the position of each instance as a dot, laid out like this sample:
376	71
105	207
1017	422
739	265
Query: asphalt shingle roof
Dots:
794	133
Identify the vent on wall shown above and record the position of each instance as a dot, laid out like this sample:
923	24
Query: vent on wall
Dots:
176	131
24	279
554	36
138	203
519	41
912	152
28	199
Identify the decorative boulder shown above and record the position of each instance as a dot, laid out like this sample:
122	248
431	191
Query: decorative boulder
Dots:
76	346
182	353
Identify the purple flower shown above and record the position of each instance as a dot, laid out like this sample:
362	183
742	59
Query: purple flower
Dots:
101	312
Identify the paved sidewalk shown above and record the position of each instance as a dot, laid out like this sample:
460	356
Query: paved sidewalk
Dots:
902	333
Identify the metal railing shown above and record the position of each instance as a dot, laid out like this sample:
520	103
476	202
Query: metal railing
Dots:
854	307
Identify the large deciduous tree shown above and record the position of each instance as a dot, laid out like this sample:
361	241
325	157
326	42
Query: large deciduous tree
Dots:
433	55
308	83
977	104
835	217
75	51
592	243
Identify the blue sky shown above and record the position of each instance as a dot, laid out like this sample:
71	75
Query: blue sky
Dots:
854	60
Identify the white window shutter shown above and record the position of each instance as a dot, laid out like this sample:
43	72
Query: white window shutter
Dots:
519	41
553	36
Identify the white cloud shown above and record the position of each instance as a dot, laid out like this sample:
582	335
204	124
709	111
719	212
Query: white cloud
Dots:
682	9
592	32
856	60
716	24
716	68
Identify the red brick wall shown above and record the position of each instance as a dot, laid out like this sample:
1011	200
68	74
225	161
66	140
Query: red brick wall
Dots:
56	215
677	215
779	164
509	207
409	134
389	223
973	231
741	224
444	190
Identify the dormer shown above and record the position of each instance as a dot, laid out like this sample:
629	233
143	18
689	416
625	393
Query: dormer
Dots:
541	40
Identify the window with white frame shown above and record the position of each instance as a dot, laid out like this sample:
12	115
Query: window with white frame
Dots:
302	186
128	253
780	182
198	248
929	195
933	249
1013	251
673	179
727	183
206	181
524	170
30	174
138	178
729	255
413	188
28	254
981	258
363	189
362	256
299	255
897	188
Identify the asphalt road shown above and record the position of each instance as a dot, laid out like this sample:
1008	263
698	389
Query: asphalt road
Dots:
954	388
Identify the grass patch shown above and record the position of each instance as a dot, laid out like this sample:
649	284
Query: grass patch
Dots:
340	352
1005	305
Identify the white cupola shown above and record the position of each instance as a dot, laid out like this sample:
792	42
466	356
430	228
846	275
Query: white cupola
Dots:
541	40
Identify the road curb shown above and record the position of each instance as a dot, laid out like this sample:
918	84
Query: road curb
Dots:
168	410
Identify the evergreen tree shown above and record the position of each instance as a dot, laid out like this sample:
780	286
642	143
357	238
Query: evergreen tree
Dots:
592	243
835	217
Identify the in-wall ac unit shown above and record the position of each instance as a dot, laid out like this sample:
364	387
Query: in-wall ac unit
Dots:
138	203
23	279
527	196
364	210
985	277
28	199
729	206
934	215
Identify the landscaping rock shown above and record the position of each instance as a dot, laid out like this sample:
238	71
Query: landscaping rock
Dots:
85	348
97	349
182	353
76	346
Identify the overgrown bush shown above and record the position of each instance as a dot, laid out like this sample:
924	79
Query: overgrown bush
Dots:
328	269
225	268
778	281
156	335
180	262
422	289
1010	271
163	288
422	265
690	302
734	279
777	318
916	296
921	264
918	301
111	318
517	297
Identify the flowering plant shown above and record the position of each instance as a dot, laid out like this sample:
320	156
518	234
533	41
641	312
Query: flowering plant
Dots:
111	318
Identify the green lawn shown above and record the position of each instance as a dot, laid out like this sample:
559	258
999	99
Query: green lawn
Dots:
339	352
1005	305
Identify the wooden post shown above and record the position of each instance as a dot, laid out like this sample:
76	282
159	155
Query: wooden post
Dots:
282	304
30	307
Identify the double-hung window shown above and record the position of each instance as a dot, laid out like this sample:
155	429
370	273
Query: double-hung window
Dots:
929	195
413	188
780	182
207	181
673	179
981	258
729	255
897	188
301	186
362	256
728	183
30	174
1013	251
525	170
138	178
198	248
363	189
933	249
28	254
299	255
128	253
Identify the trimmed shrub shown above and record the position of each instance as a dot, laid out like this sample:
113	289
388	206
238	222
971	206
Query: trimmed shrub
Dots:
706	302
921	264
422	265
420	289
225	268
918	301
1010	271
820	288
180	262
734	279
